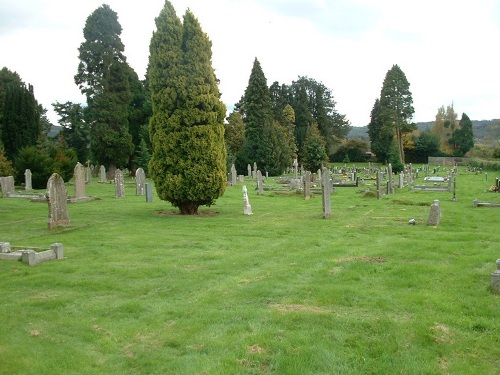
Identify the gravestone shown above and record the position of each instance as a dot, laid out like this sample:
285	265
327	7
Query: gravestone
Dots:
57	198
119	184
233	175
247	209
260	183
241	178
327	191
88	174
434	214
307	186
102	172
249	170
79	173
390	190
27	180
140	180
254	173
401	180
295	169
7	186
379	184
149	192
495	279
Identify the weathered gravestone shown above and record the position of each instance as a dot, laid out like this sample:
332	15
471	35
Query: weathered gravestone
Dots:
249	170
7	186
327	191
57	198
233	175
149	192
307	186
119	184
390	189
140	180
88	174
102	172
434	214
379	184
247	209
260	183
27	180
79	173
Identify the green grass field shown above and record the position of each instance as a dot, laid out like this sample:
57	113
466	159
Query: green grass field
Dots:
143	290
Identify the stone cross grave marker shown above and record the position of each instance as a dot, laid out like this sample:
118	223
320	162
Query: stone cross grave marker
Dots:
57	199
140	180
27	180
119	184
7	186
79	173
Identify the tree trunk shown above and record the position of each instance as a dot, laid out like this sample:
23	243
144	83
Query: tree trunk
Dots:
188	208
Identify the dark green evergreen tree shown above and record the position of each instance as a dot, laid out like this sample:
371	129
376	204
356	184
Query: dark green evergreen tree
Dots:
189	156
462	138
257	115
313	154
75	131
103	77
381	135
396	106
427	144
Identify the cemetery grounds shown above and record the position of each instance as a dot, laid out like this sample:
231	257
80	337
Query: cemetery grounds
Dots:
143	290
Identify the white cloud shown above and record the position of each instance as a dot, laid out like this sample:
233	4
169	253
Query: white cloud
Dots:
443	46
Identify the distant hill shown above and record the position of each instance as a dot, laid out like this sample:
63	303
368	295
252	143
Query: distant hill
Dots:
482	129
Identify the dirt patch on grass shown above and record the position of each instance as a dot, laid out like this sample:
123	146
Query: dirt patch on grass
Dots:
362	259
300	308
441	334
177	213
256	349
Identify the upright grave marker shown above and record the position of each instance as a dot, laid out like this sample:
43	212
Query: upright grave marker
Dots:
247	209
233	175
79	173
27	180
434	214
140	180
119	184
102	172
260	183
307	186
7	184
57	199
327	191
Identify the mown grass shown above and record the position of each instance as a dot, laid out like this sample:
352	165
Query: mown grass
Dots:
284	291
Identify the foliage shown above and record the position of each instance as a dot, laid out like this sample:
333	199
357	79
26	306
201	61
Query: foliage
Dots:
354	149
6	168
462	137
63	161
314	150
189	156
234	134
426	144
21	119
445	124
38	161
396	106
75	131
103	77
381	135
143	156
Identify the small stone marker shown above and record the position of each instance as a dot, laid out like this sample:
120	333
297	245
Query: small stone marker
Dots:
327	191
149	192
390	189
379	184
247	209
79	173
434	214
7	186
88	174
249	170
119	184
27	180
140	180
495	279
102	172
260	183
57	198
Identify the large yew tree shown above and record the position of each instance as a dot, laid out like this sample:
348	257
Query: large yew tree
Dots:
188	164
103	77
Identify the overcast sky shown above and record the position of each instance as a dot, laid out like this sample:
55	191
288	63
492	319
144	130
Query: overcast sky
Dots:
446	48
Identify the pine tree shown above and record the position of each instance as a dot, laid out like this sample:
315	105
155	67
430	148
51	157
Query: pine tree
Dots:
189	156
396	104
103	77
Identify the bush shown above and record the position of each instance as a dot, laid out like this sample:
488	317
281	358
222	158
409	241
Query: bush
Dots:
354	150
6	168
36	160
63	161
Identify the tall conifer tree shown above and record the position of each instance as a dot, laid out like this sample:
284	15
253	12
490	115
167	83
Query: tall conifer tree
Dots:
187	131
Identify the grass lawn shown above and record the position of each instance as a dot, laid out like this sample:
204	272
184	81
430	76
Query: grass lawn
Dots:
143	290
